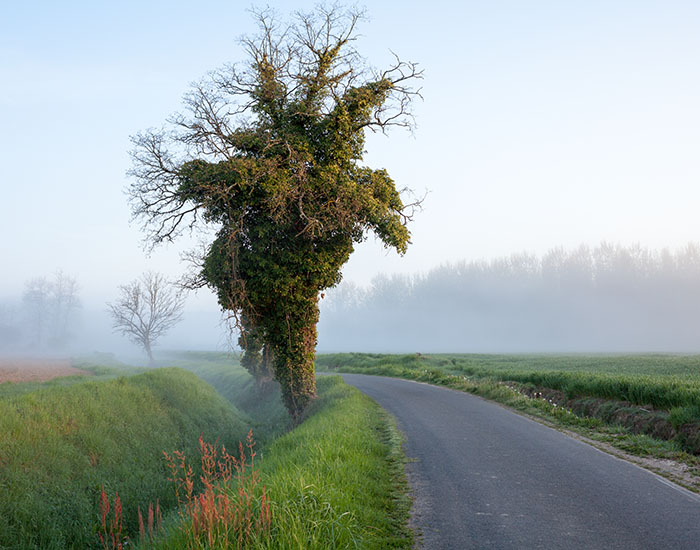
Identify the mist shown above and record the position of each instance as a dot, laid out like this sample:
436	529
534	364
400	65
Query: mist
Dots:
52	318
610	298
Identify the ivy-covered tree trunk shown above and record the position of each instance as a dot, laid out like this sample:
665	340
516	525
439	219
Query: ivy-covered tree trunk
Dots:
257	356
266	381
294	346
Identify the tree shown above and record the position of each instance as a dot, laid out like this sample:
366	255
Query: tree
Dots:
10	334
146	309
49	308
65	304
36	302
268	153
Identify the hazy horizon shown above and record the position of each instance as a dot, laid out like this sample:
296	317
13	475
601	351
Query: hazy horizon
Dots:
604	299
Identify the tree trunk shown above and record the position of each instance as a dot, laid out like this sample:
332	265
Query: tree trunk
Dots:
265	380
257	356
293	359
147	346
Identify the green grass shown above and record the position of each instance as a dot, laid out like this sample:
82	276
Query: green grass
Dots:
687	366
264	410
60	443
335	481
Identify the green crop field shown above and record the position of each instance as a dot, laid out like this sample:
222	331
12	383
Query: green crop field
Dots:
684	366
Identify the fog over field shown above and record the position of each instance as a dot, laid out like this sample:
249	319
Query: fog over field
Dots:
28	331
610	298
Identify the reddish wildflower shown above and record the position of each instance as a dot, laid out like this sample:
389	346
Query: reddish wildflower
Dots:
215	514
111	537
142	529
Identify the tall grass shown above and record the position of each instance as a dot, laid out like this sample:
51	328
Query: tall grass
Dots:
263	407
227	509
60	444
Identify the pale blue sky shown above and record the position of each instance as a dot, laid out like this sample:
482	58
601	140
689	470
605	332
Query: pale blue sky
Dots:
544	123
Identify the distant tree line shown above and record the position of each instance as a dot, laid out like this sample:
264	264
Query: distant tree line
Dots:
45	317
608	298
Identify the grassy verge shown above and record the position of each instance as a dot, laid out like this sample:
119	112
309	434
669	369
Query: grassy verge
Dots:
264	409
60	443
335	481
651	410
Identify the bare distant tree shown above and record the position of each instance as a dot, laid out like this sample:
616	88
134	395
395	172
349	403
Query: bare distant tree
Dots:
36	303
49	310
10	334
65	304
146	309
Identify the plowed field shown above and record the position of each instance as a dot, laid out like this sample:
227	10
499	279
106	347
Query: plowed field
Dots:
35	370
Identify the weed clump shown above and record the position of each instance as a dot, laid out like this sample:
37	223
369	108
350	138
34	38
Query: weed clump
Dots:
230	512
110	537
232	508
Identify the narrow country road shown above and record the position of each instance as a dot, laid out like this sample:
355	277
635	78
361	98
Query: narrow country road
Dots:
485	477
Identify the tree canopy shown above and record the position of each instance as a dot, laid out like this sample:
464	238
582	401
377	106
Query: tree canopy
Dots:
268	153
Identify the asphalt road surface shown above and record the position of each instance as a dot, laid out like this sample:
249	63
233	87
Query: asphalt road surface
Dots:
485	477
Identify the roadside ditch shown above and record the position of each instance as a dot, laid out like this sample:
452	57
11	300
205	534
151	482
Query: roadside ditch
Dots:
646	420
